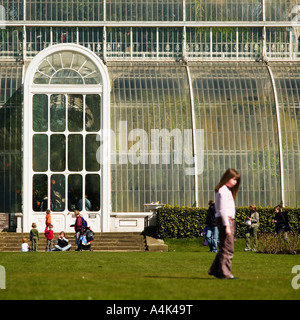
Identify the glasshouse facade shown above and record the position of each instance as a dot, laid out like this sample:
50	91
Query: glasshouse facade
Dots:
109	105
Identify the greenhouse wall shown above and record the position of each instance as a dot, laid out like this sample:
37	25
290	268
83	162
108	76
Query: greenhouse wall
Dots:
195	87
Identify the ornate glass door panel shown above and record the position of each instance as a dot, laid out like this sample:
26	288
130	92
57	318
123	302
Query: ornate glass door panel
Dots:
65	142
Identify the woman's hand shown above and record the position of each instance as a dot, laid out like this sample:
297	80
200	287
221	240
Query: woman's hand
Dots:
228	230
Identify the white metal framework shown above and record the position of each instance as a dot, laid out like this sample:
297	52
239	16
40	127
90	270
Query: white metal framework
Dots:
66	107
156	29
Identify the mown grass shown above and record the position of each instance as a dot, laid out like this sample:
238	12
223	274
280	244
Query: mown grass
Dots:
179	274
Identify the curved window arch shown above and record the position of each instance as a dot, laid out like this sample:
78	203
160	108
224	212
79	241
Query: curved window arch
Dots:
67	67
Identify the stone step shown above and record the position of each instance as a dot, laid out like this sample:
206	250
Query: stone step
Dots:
99	234
108	241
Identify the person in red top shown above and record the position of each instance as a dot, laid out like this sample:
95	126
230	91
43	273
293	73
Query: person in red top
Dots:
77	226
49	236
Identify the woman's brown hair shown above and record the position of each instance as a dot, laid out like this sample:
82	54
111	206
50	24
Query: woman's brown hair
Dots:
229	174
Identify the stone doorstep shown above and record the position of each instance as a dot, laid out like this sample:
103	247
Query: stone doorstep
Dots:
156	245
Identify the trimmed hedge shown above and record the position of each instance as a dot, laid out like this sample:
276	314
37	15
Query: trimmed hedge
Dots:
188	222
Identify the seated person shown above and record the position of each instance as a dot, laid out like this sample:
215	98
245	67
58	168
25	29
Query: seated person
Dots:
62	244
25	245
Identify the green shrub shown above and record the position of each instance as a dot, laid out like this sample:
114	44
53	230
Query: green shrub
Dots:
271	243
189	222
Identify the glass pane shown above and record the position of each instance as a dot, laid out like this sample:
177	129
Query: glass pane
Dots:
92	38
156	101
287	82
145	42
92	145
57	152
11	137
40	192
118	42
40	152
37	10
75	152
64	35
171	10
235	107
58	192
40	112
225	10
58	113
280	10
92	112
66	76
170	42
74	192
37	38
44	73
92	191
75	112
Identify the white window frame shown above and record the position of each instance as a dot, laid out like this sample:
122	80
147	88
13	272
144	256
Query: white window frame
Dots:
30	89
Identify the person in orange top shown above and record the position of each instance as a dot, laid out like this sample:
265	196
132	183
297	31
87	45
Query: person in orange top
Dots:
48	218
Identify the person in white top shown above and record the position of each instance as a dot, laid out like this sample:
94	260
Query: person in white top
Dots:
226	191
24	245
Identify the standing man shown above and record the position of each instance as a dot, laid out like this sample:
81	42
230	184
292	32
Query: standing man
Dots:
77	226
281	221
87	204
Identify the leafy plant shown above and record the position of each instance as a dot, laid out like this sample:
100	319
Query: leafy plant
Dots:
271	243
189	222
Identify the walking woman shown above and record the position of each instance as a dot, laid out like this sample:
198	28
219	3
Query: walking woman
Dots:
226	192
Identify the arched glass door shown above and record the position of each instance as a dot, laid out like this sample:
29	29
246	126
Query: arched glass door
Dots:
66	116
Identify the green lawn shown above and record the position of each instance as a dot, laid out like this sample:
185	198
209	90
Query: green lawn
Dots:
180	274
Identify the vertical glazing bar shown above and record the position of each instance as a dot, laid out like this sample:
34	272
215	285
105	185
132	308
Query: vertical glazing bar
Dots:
24	52
184	44
193	134
51	36
104	10
131	43
264	36
24	43
104	45
237	42
84	134
291	49
157	43
24	11
211	42
282	190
